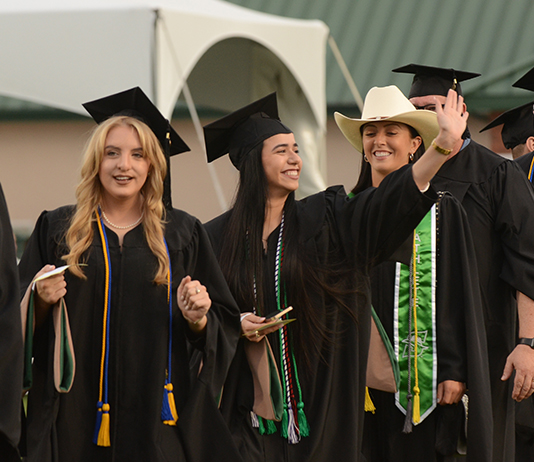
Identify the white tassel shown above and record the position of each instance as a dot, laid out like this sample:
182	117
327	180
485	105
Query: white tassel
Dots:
254	419
293	434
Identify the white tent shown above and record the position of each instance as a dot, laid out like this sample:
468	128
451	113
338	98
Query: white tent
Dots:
63	52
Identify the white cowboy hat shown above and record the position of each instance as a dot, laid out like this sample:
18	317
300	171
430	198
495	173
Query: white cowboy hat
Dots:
388	103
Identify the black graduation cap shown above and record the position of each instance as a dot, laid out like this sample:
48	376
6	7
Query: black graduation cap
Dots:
134	103
430	80
242	130
526	82
518	125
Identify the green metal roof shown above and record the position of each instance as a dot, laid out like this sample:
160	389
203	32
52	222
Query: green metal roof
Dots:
492	37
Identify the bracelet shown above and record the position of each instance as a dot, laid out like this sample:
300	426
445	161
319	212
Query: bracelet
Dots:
441	150
244	315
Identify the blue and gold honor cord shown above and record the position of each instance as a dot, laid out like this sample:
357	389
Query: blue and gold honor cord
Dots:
169	416
101	436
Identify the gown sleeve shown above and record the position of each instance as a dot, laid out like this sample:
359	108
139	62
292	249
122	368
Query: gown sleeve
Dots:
223	326
10	340
513	221
457	295
377	221
200	420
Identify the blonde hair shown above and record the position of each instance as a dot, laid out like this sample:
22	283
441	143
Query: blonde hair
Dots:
80	235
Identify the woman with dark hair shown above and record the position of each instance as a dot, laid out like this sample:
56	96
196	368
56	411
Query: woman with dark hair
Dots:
114	383
428	302
313	255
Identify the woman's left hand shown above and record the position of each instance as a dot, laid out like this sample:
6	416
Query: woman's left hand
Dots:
452	120
194	302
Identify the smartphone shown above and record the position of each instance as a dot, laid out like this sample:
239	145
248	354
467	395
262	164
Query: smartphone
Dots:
277	314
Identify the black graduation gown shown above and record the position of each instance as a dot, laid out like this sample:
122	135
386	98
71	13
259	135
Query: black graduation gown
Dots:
525	161
524	419
10	341
60	426
365	229
461	350
498	201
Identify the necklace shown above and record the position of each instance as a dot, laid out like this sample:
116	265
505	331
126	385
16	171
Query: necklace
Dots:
122	227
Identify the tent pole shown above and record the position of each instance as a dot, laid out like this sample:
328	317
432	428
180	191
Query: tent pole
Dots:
196	123
345	71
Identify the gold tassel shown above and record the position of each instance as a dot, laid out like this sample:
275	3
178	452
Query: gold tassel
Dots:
416	406
103	433
172	405
369	406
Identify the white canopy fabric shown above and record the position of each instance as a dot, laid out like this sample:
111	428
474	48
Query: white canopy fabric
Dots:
64	52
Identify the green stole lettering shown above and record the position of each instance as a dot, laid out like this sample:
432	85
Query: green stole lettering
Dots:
423	316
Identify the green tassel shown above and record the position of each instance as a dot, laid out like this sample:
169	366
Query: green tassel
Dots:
284	422
304	428
261	427
271	427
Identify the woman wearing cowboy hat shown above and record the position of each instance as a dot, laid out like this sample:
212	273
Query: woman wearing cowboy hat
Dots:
314	255
435	329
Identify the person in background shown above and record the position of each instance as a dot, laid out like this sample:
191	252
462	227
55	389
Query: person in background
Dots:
497	199
143	289
441	307
518	135
517	131
313	255
10	341
525	161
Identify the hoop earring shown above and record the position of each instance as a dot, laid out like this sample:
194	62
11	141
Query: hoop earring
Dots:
365	158
411	157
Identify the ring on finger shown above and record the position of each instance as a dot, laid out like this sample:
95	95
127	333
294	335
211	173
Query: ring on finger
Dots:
257	334
197	290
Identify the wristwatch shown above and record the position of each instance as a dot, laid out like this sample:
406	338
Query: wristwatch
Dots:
526	341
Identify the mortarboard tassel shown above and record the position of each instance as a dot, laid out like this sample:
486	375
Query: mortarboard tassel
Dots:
369	405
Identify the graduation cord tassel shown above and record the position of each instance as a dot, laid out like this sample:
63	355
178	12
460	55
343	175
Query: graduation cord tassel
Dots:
101	435
294	421
413	409
169	415
416	390
369	405
408	425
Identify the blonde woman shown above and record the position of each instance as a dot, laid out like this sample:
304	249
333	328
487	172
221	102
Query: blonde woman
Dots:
142	291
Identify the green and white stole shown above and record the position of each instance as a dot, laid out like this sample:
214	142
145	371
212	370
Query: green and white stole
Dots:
415	318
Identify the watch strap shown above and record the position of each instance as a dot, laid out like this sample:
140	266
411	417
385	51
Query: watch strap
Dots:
526	341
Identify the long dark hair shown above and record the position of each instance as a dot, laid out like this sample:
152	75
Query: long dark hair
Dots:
242	263
365	180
